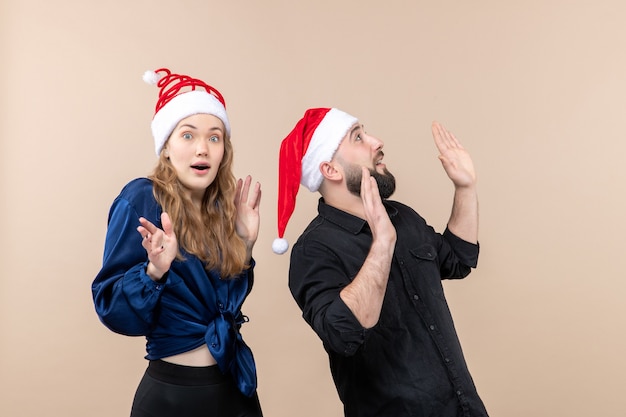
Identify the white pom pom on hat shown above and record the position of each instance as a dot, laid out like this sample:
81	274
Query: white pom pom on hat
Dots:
280	245
314	140
181	96
150	77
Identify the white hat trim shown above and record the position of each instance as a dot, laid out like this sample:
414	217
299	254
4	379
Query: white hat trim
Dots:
324	142
181	106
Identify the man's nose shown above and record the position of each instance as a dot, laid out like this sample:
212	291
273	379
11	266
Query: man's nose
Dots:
375	142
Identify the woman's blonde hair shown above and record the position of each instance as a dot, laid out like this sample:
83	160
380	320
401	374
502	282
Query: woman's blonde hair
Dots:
209	233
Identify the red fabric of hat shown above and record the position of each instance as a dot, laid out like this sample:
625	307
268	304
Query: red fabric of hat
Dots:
313	140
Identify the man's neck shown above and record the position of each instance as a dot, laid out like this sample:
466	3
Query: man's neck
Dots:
347	202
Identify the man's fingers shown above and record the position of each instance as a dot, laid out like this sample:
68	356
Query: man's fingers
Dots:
455	141
441	139
444	139
374	190
366	185
370	195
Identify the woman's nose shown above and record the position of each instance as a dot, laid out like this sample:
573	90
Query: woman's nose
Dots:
202	147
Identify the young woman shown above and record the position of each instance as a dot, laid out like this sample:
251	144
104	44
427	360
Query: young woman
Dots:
178	263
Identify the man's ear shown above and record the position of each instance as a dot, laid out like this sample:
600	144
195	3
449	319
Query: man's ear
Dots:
330	171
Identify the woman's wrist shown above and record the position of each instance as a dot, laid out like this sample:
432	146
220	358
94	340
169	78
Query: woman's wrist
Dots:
154	273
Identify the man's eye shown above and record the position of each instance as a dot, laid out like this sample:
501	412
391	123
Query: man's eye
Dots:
187	136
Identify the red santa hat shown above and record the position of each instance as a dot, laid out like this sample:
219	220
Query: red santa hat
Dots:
181	96
314	140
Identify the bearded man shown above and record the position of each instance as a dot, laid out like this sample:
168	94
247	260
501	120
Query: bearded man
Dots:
367	271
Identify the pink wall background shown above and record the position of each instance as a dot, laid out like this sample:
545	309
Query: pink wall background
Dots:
535	91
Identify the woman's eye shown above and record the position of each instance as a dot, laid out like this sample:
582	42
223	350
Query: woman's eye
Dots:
187	136
215	138
358	137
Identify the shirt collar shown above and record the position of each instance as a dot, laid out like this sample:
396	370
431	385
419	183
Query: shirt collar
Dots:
347	221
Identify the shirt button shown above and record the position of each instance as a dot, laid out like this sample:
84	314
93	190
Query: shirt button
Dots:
416	297
158	287
432	327
458	393
447	360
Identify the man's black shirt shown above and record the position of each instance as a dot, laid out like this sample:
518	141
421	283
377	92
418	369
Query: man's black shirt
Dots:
410	363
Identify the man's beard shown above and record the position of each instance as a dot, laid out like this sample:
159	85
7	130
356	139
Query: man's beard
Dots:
386	181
